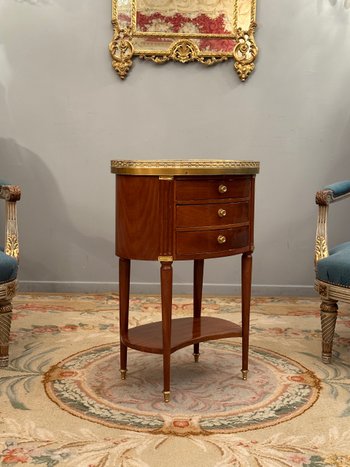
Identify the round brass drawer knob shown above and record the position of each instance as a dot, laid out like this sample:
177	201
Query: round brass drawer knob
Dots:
222	212
222	189
221	239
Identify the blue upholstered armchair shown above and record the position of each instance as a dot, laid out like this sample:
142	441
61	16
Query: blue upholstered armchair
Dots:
8	266
332	266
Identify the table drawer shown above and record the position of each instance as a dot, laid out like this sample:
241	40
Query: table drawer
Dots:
217	188
200	215
211	241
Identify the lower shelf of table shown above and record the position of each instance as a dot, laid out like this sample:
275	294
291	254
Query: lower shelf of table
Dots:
184	332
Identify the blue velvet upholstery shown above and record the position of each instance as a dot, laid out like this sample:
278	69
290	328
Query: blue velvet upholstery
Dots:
339	188
8	267
336	267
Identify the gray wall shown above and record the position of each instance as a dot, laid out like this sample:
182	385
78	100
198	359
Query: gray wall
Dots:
64	114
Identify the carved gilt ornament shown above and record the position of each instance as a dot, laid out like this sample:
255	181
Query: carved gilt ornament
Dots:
206	31
321	250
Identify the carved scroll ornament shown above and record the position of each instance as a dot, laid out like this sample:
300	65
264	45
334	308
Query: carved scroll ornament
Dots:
206	31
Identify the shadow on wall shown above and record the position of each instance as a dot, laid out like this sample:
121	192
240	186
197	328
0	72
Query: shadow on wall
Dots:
346	3
52	248
59	240
41	202
22	167
35	2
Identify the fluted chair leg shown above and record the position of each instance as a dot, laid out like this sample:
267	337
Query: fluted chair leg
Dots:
329	313
5	327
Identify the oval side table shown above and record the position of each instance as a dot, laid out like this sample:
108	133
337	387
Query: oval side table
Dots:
182	210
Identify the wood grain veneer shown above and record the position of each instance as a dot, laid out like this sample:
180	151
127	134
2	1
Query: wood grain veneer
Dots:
169	218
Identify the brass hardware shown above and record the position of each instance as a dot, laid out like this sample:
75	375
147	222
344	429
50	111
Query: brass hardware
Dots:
167	259
222	189
163	177
123	374
183	167
244	374
222	212
166	395
221	239
196	357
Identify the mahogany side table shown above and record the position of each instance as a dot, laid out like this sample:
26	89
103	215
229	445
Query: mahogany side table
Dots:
182	210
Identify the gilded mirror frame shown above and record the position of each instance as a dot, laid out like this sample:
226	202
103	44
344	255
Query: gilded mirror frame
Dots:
207	31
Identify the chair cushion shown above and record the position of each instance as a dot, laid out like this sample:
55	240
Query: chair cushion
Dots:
336	267
8	267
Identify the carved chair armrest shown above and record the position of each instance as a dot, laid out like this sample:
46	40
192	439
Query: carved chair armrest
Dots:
331	193
11	194
334	192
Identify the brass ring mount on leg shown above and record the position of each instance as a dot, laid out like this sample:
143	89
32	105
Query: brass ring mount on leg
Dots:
123	374
166	395
244	374
196	357
326	357
4	361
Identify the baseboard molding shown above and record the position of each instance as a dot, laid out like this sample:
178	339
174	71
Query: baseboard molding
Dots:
154	288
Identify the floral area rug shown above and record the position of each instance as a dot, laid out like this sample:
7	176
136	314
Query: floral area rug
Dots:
63	402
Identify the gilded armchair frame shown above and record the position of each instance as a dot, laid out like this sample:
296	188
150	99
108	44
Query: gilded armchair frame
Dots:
11	194
330	294
129	39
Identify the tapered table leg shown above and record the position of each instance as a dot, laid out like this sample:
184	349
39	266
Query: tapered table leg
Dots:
246	294
124	292
166	280
197	297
